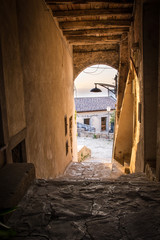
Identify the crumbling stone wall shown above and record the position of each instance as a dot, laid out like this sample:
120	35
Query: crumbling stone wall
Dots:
85	56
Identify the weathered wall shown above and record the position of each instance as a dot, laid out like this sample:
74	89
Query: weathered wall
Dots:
11	79
85	56
132	53
136	118
123	71
158	123
142	51
123	140
48	83
136	55
150	61
95	119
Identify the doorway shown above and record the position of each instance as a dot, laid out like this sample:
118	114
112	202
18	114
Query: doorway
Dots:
103	124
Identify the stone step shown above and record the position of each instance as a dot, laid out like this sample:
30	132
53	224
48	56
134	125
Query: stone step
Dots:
15	179
126	208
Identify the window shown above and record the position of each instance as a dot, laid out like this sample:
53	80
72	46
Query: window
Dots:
19	153
65	124
87	121
70	132
67	147
103	124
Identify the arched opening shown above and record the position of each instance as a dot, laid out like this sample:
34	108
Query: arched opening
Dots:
95	116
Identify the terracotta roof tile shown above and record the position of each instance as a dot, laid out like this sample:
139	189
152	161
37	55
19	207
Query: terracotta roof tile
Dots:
94	103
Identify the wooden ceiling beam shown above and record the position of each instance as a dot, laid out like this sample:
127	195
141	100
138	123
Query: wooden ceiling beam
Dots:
69	25
77	40
91	32
89	1
95	51
96	47
94	12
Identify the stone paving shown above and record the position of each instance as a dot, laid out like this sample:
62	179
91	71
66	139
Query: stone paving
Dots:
101	149
92	171
125	207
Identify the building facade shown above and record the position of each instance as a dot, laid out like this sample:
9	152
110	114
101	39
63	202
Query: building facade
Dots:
95	112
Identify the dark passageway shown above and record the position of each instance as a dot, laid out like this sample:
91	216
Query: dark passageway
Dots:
44	45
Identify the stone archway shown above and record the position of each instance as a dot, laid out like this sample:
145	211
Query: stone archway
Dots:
84	57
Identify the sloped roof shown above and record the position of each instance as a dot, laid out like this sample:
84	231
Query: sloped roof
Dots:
89	104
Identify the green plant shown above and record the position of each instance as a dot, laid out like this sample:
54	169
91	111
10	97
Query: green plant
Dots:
112	118
94	136
5	231
75	116
83	157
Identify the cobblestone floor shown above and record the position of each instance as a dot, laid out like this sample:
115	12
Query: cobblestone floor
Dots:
125	207
92	171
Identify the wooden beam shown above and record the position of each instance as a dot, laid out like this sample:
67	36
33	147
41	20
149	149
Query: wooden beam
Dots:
77	40
95	12
96	47
95	51
94	24
89	1
98	31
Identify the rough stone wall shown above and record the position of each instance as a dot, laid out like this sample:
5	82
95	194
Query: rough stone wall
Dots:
48	82
85	56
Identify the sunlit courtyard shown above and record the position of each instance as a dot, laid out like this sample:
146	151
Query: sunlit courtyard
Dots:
101	149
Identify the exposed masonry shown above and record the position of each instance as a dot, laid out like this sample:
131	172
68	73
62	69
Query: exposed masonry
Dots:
84	59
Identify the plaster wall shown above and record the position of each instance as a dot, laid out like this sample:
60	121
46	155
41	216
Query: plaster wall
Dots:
150	58
95	119
46	61
136	118
158	119
123	71
134	53
123	141
11	71
11	83
142	51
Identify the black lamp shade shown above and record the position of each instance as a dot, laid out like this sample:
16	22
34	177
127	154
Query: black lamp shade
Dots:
95	90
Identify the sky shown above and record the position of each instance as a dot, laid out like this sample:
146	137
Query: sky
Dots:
94	74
